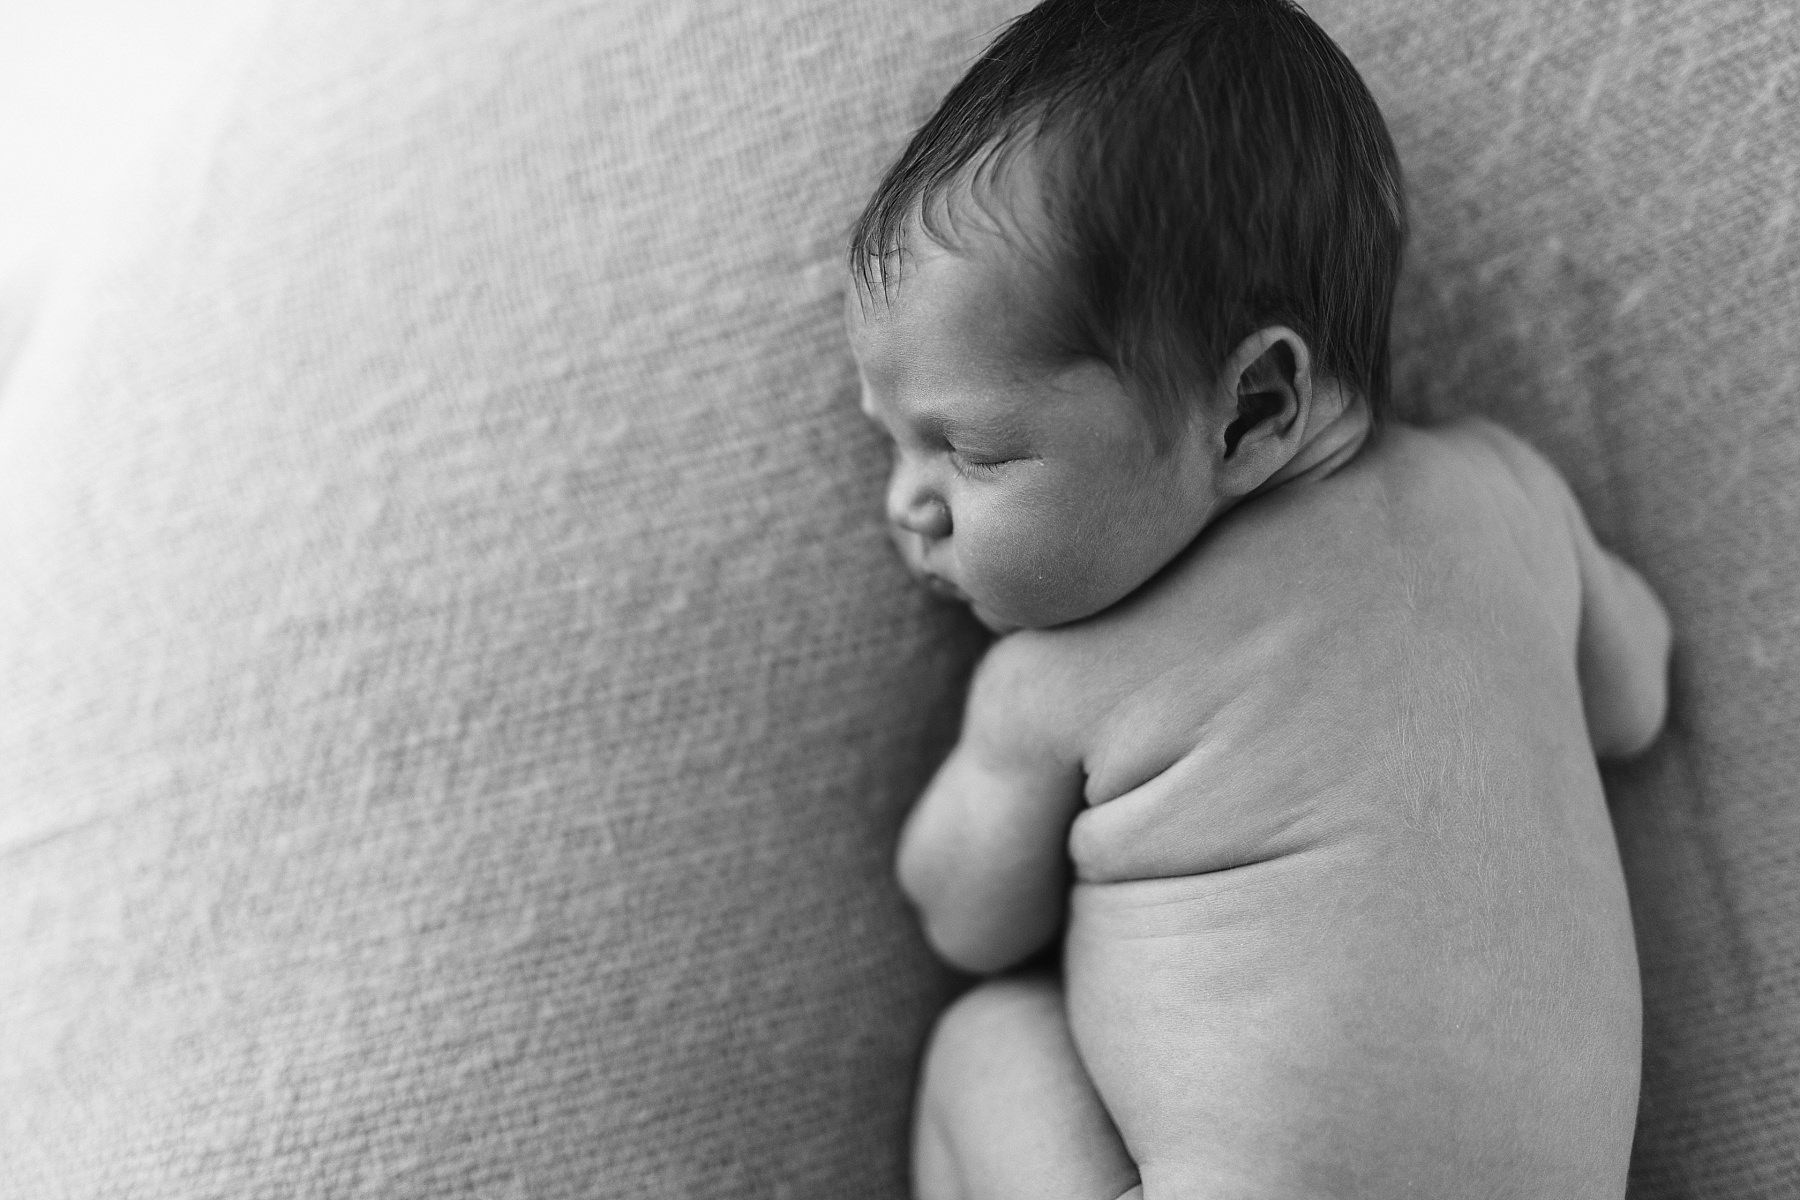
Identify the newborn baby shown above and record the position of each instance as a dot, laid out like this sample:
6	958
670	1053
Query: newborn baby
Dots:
1292	736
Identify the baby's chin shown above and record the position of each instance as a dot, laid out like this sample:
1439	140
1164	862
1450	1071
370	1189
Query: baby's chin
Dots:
1002	624
1009	619
1063	611
994	624
943	588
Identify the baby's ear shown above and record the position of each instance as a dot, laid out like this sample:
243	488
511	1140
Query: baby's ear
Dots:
1268	377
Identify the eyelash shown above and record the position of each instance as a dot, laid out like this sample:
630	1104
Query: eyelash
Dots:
966	466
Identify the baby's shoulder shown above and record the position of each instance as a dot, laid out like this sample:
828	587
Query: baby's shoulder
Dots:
1068	681
1044	688
1472	491
1035	668
1462	478
1485	453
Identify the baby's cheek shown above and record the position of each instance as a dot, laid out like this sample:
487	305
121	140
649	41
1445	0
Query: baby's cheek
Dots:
996	567
1035	578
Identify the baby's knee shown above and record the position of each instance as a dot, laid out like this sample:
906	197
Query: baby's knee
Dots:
1007	1007
993	1024
1006	1110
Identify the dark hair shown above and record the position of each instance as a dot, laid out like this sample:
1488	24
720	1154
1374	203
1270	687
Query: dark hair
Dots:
1209	167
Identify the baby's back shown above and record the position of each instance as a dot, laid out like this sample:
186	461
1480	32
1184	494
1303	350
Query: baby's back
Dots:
1347	862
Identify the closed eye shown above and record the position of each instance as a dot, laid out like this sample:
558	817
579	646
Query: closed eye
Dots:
969	464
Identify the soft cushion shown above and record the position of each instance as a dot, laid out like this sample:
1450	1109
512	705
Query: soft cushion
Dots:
458	700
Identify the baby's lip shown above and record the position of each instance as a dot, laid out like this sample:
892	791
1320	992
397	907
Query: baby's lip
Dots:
943	587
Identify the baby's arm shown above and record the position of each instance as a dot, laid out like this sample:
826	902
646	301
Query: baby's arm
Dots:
1622	647
983	854
1622	652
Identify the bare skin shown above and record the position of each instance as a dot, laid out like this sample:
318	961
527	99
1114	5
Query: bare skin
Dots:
1296	751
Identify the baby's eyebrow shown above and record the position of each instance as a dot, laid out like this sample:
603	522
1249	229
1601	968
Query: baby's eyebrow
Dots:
941	419
929	426
991	432
938	425
925	424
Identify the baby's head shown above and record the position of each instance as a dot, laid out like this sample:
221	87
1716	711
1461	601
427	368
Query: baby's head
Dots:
1137	262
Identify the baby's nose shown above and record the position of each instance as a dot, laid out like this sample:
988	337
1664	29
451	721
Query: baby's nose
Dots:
916	507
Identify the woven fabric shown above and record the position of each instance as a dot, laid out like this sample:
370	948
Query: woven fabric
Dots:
458	699
457	702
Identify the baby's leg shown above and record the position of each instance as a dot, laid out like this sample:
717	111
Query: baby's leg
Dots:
1006	1109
